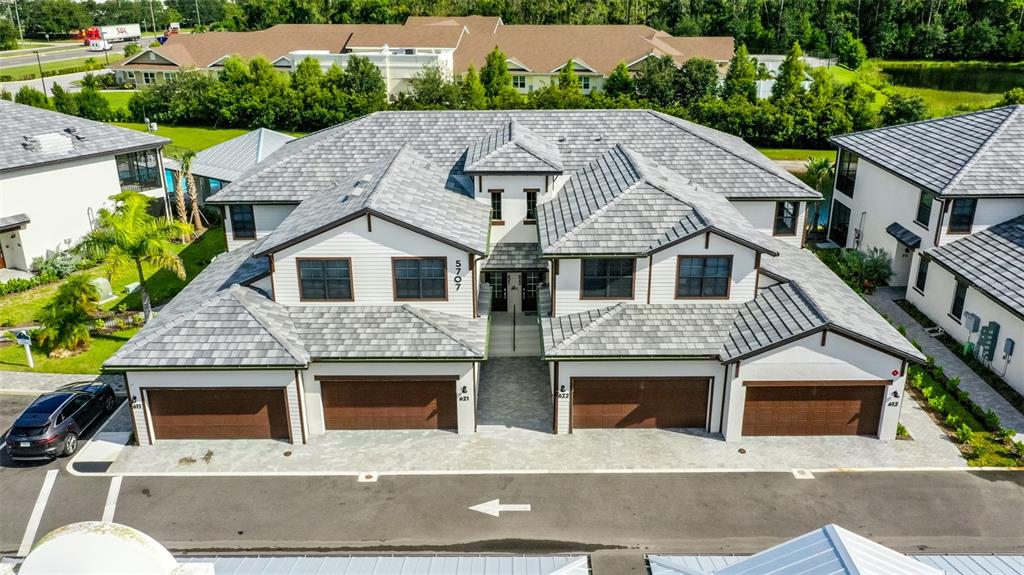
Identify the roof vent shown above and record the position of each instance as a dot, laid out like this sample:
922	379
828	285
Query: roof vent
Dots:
561	138
73	131
51	143
599	137
361	183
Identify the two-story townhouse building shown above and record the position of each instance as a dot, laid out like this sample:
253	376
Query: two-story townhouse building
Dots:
655	264
57	171
944	198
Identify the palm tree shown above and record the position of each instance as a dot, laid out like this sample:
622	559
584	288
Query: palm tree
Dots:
819	173
66	318
129	234
193	191
180	184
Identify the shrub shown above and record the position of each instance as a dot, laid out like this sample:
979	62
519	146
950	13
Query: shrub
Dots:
16	285
99	325
901	432
991	421
938	403
1007	435
66	318
953	421
953	384
61	265
863	271
6	321
964	433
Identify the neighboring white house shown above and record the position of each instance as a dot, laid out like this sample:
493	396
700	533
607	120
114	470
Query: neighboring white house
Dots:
944	198
57	171
657	262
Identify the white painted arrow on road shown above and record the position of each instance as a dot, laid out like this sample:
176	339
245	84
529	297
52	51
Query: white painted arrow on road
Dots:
494	507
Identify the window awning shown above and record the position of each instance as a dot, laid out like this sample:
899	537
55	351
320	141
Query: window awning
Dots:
904	236
15	222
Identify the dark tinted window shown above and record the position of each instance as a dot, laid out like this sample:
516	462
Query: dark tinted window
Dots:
846	172
420	278
961	215
47	403
785	218
957	310
495	204
531	205
839	229
325	279
922	275
608	278
924	208
703	276
29	431
243	223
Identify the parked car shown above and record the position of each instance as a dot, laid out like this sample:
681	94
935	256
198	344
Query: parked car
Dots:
52	425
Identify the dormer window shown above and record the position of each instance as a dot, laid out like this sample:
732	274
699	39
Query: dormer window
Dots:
702	277
607	278
420	278
326	279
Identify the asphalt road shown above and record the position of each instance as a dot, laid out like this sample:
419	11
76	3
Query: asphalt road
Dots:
709	513
70	53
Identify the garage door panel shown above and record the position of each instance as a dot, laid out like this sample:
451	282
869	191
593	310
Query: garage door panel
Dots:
252	413
639	402
813	410
390	404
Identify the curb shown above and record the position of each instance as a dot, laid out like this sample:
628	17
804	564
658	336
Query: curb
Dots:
70	465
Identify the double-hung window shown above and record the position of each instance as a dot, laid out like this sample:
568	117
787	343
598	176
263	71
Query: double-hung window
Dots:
496	206
703	277
419	278
961	215
519	82
959	296
846	172
584	82
924	208
922	275
325	279
531	206
610	278
785	218
243	223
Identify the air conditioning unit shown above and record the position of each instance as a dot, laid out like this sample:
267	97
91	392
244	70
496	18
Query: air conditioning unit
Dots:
971	322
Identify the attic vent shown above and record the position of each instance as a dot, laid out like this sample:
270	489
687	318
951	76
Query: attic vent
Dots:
599	137
50	143
73	131
361	184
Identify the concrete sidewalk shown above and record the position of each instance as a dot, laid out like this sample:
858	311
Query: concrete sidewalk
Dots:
981	392
517	450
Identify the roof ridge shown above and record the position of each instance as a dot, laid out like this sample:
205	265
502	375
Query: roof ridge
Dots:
835	537
604	314
927	121
983	147
665	118
241	294
432	323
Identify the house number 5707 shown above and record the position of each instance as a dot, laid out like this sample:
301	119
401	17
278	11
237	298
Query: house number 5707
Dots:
458	275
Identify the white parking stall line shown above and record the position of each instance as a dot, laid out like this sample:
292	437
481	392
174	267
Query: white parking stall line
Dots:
37	513
112	493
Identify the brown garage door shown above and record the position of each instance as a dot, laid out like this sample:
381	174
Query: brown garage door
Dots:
778	409
254	413
639	402
389	404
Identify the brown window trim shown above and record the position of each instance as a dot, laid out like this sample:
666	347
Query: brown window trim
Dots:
632	294
728	286
497	222
394	278
351	279
536	206
796	220
501	202
530	222
949	225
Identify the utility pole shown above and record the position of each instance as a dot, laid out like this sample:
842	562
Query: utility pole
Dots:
152	18
199	21
17	17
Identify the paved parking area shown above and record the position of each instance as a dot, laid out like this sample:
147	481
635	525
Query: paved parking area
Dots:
496	449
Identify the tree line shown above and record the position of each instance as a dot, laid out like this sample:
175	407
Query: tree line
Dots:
933	29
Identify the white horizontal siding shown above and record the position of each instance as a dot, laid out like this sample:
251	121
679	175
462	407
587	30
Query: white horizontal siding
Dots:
267	217
567	288
371	253
761	215
513	206
989	212
138	380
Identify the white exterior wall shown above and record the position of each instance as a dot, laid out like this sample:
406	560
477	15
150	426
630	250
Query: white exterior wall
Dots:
663	279
396	68
267	217
989	212
140	380
513	205
761	215
61	200
840	359
702	368
372	276
936	303
535	81
464	371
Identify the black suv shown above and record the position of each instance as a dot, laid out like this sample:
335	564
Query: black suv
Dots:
51	426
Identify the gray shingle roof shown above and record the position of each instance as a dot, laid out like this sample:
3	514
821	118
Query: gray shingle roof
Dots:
388	332
976	154
718	162
14	222
226	161
513	148
638	330
992	260
78	137
778	313
514	256
903	235
624	203
235	328
404	187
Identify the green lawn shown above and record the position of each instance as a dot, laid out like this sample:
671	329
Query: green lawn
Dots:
12	356
19	71
946	102
22	308
797	154
189	137
118	98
